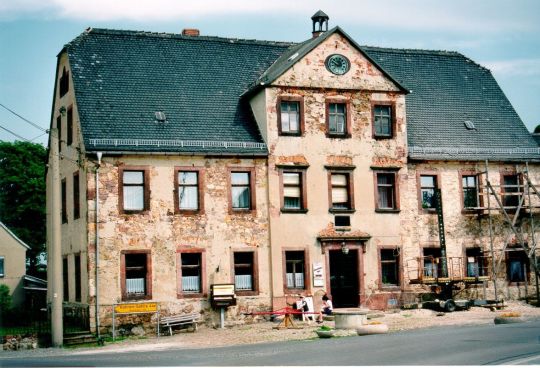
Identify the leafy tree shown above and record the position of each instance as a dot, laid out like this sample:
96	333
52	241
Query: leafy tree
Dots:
537	129
22	195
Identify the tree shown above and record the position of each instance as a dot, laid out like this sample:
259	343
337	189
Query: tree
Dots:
22	195
537	129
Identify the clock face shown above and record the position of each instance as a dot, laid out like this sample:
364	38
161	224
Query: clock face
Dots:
338	64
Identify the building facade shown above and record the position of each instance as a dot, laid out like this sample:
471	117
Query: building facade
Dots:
13	264
285	169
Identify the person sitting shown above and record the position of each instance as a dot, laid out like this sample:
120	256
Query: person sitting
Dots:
326	308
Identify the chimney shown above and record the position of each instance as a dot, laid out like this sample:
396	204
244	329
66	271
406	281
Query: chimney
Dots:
190	32
320	19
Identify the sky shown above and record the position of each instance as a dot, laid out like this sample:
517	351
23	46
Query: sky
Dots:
502	35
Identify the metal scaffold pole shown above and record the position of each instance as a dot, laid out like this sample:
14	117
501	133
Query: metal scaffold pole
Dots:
491	234
533	240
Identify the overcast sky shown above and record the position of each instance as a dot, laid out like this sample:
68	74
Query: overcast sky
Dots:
501	35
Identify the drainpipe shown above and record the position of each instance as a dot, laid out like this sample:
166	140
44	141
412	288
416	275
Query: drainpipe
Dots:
99	155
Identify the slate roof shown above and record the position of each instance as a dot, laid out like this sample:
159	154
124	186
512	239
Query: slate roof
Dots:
536	137
121	78
448	89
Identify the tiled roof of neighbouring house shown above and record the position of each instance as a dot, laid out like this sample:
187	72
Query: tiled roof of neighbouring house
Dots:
122	78
447	90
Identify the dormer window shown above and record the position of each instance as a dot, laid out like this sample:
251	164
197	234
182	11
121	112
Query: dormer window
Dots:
160	117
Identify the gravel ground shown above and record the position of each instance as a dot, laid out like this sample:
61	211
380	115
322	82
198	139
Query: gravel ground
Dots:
396	321
265	331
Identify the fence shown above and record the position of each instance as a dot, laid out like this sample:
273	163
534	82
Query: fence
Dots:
76	317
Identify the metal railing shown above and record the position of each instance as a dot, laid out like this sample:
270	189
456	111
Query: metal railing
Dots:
174	143
429	269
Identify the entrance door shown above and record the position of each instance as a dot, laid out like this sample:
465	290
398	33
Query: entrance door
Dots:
344	278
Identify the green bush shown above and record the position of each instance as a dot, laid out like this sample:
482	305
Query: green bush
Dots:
5	299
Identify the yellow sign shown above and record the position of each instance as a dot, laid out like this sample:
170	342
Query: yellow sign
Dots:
136	308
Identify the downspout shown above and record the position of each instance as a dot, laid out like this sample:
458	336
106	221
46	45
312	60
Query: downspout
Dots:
99	155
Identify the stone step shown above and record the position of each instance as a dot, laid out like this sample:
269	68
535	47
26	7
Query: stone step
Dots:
79	339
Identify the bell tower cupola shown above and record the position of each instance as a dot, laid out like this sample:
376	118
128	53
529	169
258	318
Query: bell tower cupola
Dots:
320	23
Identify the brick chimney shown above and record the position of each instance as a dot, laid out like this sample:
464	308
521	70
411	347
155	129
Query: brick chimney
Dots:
190	32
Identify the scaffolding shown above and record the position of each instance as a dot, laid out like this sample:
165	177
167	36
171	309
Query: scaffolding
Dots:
515	200
512	199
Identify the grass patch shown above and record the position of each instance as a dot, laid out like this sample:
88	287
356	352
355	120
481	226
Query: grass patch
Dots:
325	328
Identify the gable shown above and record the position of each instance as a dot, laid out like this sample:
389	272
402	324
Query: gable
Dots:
311	70
10	241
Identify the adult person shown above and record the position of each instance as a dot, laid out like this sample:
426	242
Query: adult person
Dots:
326	308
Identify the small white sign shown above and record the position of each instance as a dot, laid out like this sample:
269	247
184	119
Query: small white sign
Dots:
318	274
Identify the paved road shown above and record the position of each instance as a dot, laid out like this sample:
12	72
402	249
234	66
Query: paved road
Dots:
477	345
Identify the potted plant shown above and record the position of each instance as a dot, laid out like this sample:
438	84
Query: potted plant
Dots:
325	331
371	328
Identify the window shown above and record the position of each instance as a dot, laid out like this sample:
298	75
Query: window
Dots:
290	115
432	262
65	278
78	277
69	126
341	191
294	191
136	275
244	276
382	121
191	273
242	190
511	184
517	265
295	269
428	184
134	185
189	197
337	119
76	196
64	83
389	267
2	267
64	210
470	191
476	263
386	191
59	131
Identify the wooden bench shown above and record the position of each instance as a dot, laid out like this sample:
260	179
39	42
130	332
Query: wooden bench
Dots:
190	319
